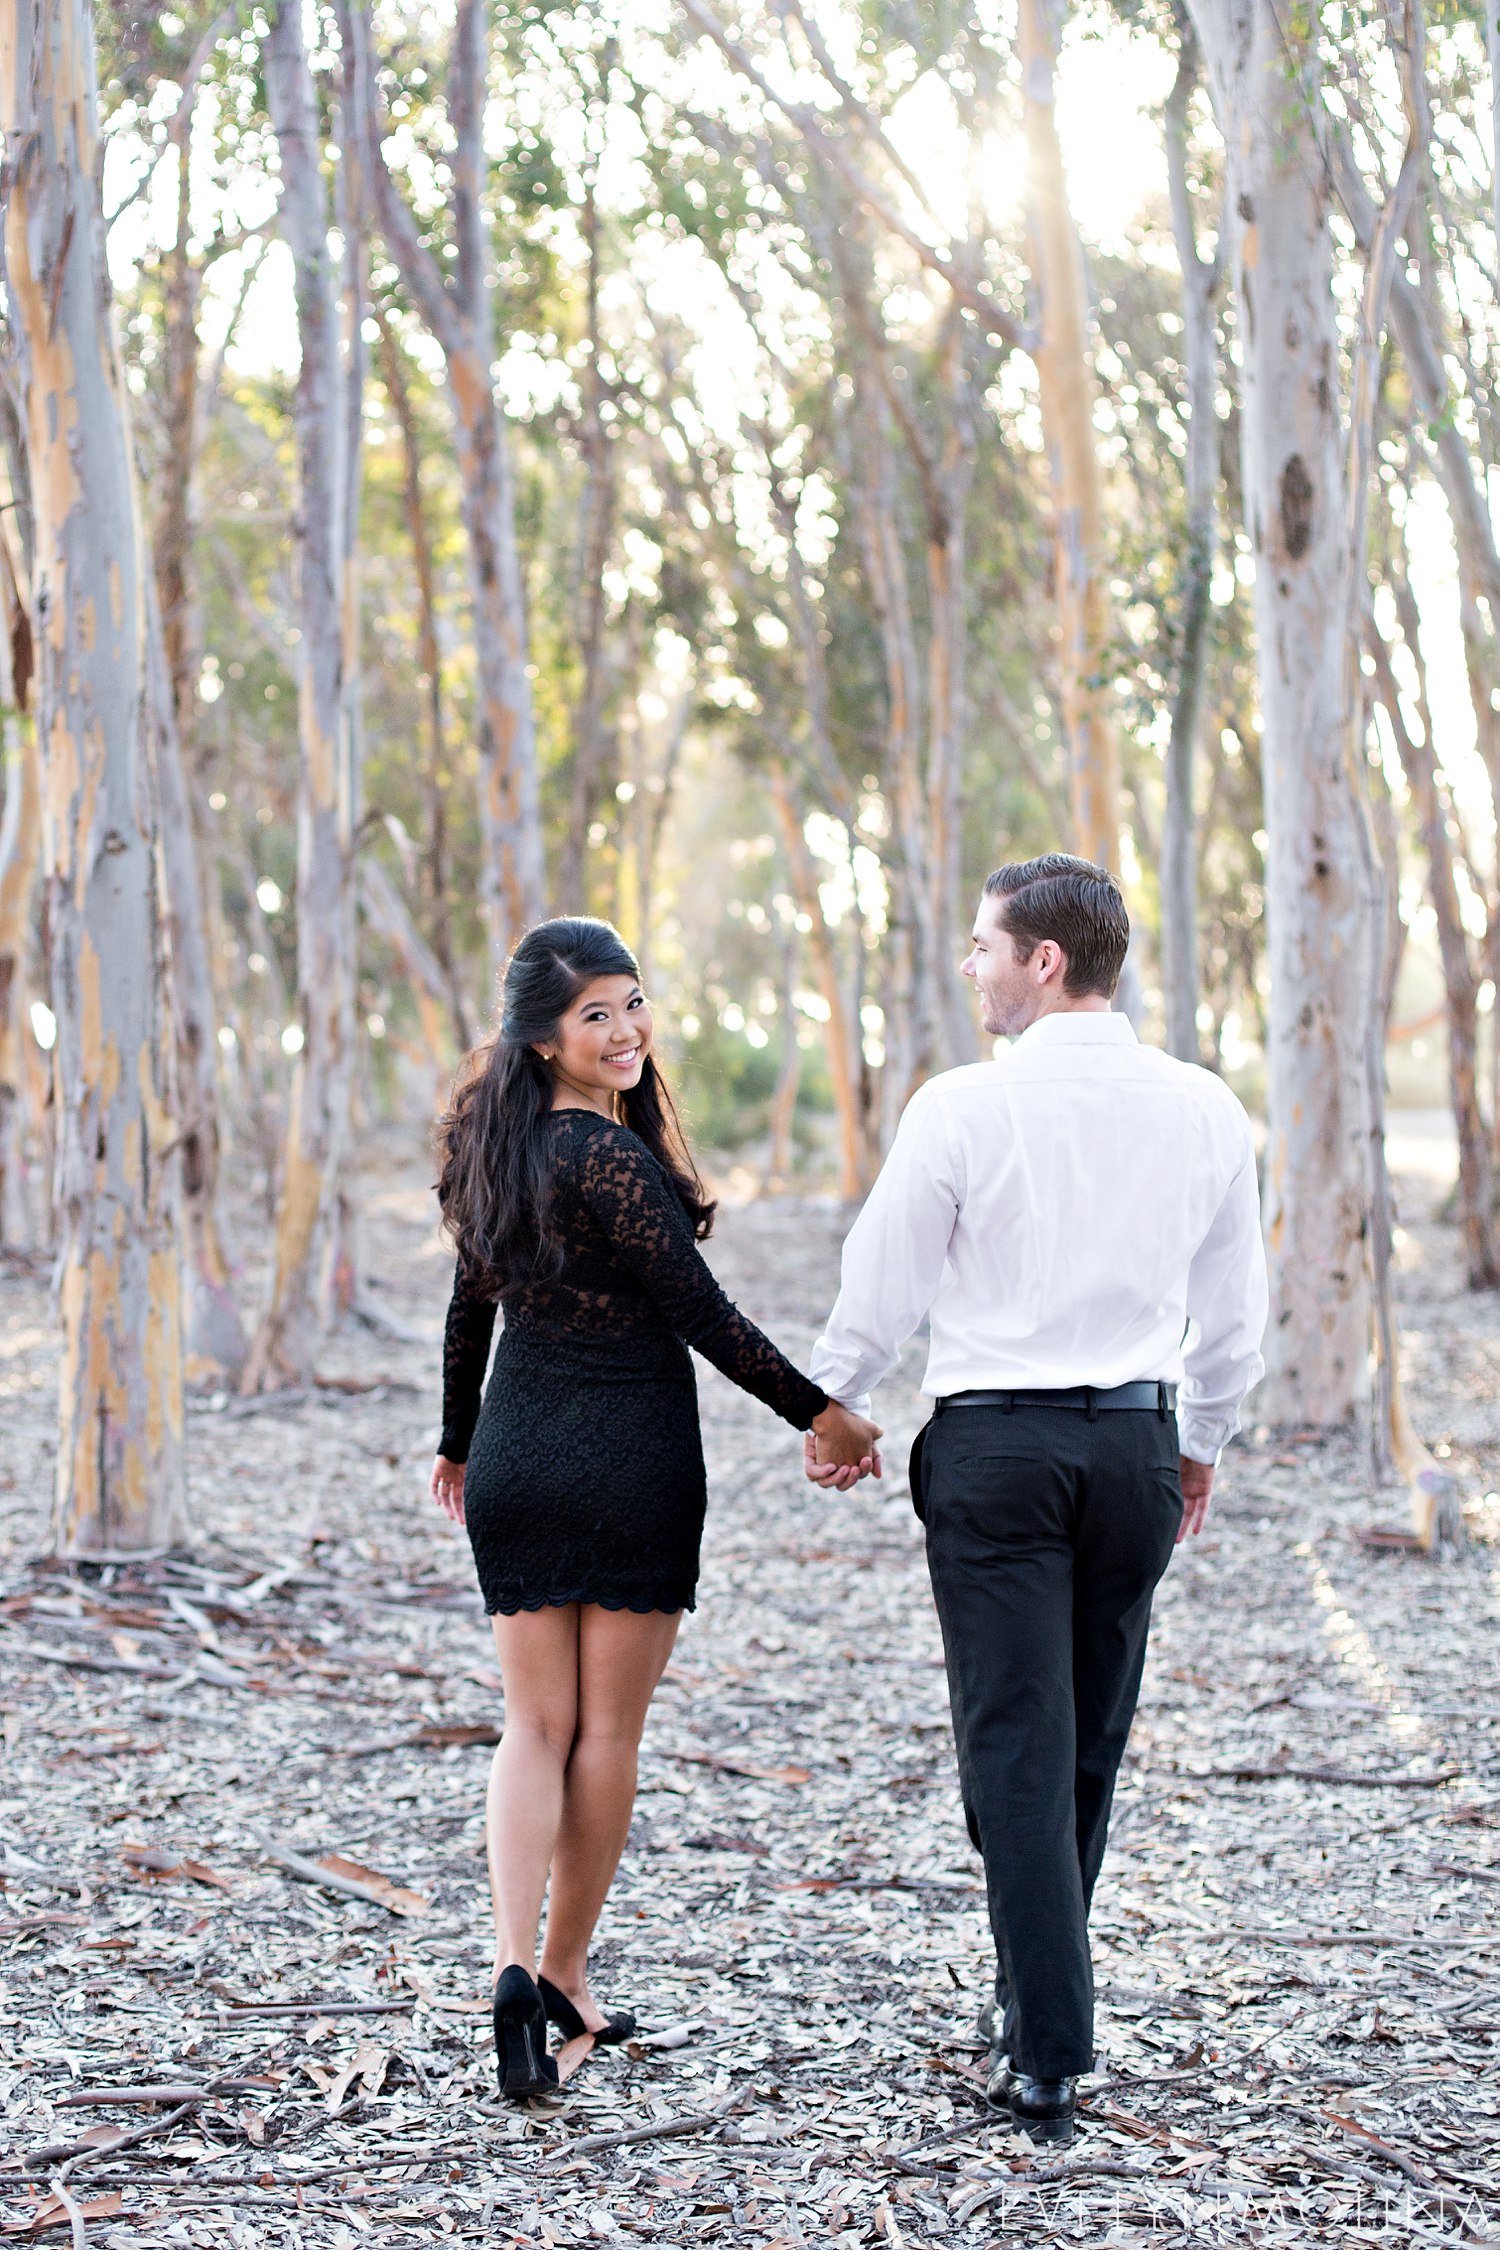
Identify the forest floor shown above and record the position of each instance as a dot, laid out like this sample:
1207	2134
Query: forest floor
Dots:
1297	1941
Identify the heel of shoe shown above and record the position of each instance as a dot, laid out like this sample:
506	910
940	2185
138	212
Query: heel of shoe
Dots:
1054	2132
523	2063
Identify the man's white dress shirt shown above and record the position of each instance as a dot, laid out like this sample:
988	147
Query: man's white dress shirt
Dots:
1081	1210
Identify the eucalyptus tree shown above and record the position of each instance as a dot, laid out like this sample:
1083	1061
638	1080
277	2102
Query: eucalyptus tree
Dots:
119	1482
1179	841
327	427
1306	497
1067	389
20	856
455	298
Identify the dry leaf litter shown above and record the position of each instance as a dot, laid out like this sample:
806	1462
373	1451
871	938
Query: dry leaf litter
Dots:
243	1924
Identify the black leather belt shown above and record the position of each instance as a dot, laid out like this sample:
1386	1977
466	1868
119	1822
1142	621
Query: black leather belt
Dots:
1148	1398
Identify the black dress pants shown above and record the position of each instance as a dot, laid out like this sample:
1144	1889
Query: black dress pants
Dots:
1047	1534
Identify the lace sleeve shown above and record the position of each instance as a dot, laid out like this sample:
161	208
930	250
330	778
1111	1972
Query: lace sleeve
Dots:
631	1197
466	1354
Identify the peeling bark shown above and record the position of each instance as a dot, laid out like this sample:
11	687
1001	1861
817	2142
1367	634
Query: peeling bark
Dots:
20	856
119	1479
1317	1164
322	1076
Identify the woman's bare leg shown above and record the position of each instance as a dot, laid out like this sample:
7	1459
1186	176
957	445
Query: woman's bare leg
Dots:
621	1657
538	1652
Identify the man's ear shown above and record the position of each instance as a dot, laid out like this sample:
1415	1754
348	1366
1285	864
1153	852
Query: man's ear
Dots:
1051	963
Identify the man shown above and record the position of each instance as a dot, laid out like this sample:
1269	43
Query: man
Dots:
1080	1220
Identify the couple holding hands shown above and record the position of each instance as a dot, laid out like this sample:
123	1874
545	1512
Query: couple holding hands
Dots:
1079	1222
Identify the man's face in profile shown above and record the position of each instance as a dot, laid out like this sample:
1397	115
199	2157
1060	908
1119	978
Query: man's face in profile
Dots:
1009	992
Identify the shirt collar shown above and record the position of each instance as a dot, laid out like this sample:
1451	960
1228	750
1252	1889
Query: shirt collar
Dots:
1080	1027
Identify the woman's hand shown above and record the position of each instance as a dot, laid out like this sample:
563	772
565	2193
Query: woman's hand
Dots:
840	1448
448	1488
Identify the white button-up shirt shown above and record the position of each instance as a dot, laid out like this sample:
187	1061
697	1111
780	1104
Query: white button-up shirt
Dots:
1081	1210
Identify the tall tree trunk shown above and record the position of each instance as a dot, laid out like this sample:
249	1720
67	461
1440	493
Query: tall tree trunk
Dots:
949	477
1394	1442
840	1030
460	316
1065	380
175	527
1492	50
1317	1165
344	1282
322	1072
20	855
120	1456
781	1156
1364	398
388	914
598	519
1460	981
912	1005
1200	477
437	778
214	1334
1417	324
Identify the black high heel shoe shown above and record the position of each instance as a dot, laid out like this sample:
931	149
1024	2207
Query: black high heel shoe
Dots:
521	2056
561	2011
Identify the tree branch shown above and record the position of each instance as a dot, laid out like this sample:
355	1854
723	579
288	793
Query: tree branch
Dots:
997	322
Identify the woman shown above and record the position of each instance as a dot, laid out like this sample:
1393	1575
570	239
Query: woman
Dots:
569	1192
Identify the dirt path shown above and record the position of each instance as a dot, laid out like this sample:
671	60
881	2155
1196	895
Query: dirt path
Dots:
1300	1976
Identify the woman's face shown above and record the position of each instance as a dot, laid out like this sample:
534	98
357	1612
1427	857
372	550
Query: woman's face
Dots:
602	1041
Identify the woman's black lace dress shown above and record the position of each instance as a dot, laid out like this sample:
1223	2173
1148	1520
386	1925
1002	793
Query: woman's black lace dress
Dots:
585	1465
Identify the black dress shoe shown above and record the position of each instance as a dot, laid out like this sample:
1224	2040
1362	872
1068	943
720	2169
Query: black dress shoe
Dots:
997	2087
1044	2108
561	2011
521	2058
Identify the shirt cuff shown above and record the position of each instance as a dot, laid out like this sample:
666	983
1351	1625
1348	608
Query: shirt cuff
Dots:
1204	1440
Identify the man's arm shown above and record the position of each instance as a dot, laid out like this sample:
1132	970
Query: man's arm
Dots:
893	1256
1227	1304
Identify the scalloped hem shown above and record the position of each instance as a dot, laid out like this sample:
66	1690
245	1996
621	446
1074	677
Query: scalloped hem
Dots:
503	1608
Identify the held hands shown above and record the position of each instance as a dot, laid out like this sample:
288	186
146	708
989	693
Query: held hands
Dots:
1197	1490
840	1448
447	1488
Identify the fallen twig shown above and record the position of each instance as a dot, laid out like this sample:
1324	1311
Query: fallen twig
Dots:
72	2153
1337	1777
85	1660
330	1879
671	2128
75	2216
239	2011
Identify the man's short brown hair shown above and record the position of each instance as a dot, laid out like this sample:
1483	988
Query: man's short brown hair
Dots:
1074	903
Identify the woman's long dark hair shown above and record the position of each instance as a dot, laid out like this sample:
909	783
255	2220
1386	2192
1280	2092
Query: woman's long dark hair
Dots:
494	1145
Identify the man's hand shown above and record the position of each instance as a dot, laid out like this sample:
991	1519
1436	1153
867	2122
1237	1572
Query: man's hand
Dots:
840	1448
447	1488
1197	1490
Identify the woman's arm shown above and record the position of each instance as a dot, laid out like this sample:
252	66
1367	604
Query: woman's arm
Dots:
633	1200
466	1354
